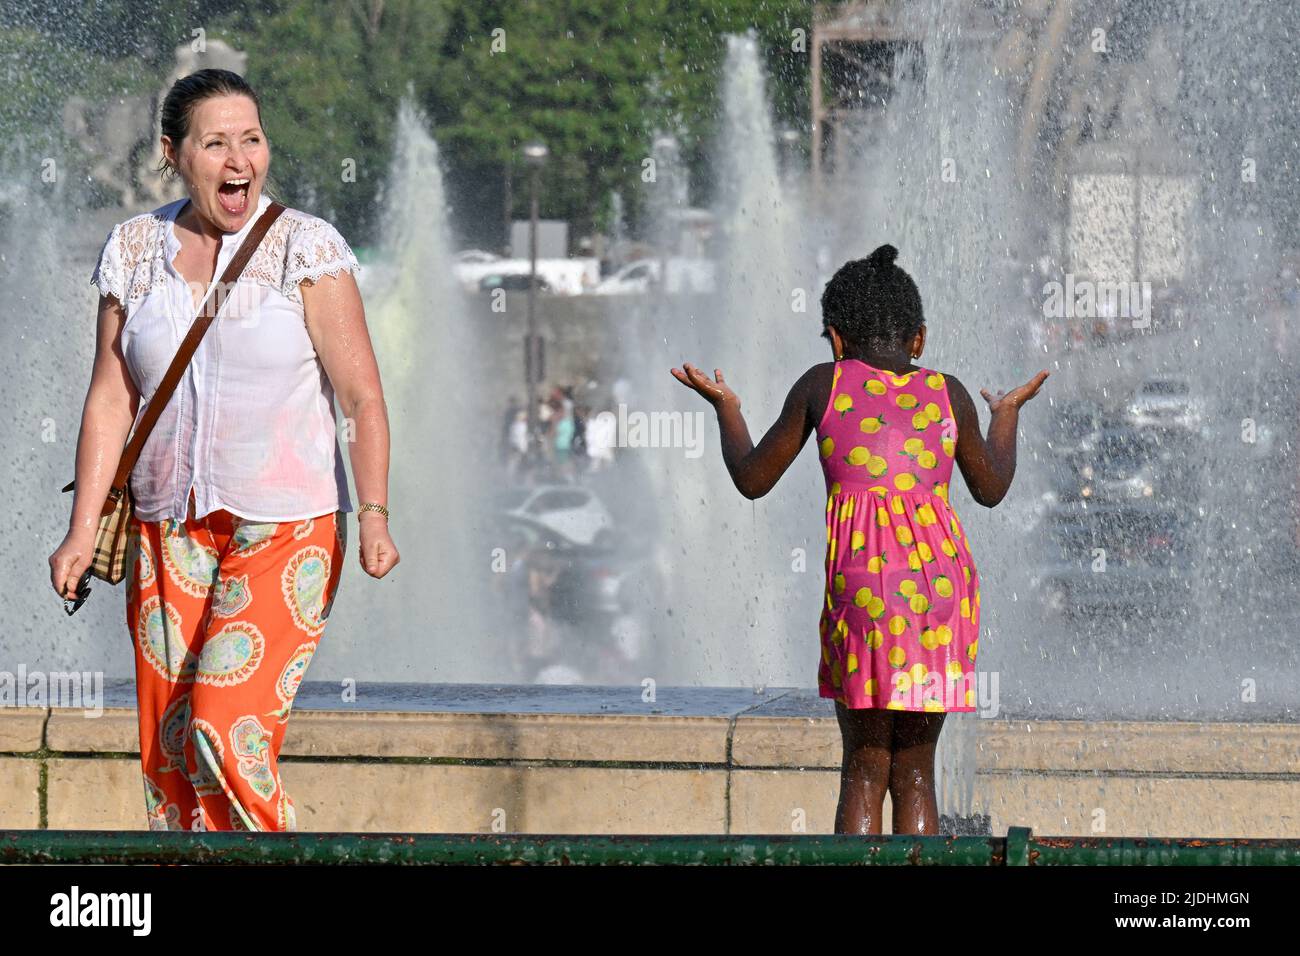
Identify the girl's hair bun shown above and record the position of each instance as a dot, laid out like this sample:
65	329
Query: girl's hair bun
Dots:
883	255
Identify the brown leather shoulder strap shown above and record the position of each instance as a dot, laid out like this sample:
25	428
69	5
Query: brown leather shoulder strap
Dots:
216	297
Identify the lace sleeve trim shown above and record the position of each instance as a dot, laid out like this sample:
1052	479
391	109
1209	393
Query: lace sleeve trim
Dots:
317	249
108	270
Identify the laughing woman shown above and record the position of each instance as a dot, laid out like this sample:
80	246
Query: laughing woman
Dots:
237	541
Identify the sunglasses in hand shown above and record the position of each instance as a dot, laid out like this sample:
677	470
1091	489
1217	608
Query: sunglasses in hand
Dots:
83	592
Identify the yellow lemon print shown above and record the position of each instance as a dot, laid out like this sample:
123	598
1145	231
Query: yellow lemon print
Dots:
857	456
943	586
875	386
871	425
876	607
944	633
920	673
929	640
841	631
914	446
836	380
902	682
843	404
896	506
876	466
903	379
853	663
949	445
858	542
827	446
965	607
863	597
966	571
932	412
972	650
935	381
906	400
941	489
927	459
839	582
875	637
895	705
907	587
876	564
933	706
882	517
954	670
905	481
923	549
904	534
877	489
835	485
920	422
925	515
948	548
897	656
870	687
914	561
970	696
846	509
919	603
897	625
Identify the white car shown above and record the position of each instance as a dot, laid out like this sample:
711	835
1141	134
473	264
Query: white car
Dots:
570	510
1166	401
571	276
639	277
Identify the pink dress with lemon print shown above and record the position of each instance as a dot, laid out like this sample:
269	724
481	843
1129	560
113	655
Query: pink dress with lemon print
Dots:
900	621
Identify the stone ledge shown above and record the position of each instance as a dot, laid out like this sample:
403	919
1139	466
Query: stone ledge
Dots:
416	798
21	728
1141	747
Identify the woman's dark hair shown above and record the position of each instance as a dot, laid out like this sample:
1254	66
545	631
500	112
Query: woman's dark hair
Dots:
873	303
188	92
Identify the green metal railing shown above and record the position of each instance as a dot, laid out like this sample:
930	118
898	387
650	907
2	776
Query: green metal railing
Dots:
1018	848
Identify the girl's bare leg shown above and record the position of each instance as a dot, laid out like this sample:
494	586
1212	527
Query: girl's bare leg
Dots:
911	773
865	771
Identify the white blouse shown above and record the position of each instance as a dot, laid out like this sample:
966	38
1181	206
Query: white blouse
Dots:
250	426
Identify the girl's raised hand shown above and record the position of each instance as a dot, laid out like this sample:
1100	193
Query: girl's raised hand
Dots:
715	391
1017	396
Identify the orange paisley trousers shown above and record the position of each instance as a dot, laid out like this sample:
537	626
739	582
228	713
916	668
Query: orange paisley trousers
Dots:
225	614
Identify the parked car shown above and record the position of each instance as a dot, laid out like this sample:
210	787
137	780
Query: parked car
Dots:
573	511
641	276
1167	401
1133	558
571	275
1113	464
512	282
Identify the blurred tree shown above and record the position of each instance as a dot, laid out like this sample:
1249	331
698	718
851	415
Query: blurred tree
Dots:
329	74
593	80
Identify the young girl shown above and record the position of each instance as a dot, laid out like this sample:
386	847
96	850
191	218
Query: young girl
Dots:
900	620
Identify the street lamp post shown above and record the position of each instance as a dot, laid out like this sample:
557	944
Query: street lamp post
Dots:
535	154
666	147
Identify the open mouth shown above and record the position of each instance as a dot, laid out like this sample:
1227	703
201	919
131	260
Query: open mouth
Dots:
233	195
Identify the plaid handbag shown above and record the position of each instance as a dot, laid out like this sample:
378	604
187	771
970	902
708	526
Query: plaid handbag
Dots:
108	562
